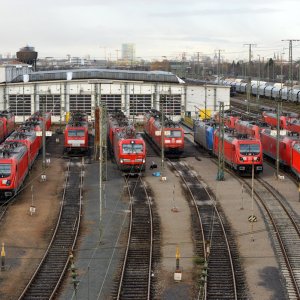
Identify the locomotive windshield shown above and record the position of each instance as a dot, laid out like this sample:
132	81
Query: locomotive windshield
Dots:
249	149
132	148
173	133
76	133
5	170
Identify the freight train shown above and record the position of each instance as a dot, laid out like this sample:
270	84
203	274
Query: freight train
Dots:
269	90
18	153
129	148
241	154
76	135
173	134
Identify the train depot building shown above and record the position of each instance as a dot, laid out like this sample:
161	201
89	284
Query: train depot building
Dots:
133	92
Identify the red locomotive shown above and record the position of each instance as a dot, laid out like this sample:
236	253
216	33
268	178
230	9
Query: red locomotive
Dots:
247	128
241	154
293	125
250	128
173	134
289	123
286	140
229	119
18	153
271	119
27	136
8	124
14	162
76	133
295	160
128	148
37	118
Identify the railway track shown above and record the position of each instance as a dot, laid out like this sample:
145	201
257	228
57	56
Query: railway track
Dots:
46	279
285	234
225	279
136	274
255	106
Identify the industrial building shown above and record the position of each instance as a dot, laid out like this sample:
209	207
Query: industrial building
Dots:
132	91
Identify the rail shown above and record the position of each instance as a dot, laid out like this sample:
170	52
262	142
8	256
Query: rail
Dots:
56	258
135	279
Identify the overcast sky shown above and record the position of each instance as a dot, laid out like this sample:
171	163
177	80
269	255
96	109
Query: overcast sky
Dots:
157	27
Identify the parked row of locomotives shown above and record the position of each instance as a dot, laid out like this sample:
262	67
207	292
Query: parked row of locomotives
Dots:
18	153
76	135
173	134
128	147
289	140
241	153
289	123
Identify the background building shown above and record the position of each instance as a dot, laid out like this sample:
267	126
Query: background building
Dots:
128	52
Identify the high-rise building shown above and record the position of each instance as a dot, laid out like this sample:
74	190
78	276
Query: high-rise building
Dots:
128	52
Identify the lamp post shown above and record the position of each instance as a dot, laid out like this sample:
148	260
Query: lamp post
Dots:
252	198
162	135
25	79
23	105
258	83
221	166
43	176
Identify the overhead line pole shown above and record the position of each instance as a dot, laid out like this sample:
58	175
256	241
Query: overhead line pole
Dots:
221	165
218	65
249	76
290	64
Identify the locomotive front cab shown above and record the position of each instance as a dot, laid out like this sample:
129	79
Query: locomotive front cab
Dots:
174	139
250	154
7	178
76	138
132	155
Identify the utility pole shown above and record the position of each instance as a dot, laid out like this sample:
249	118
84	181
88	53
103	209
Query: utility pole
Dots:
278	137
290	65
183	59
281	74
258	83
44	143
198	62
249	76
117	54
163	131
218	65
102	153
205	101
220	175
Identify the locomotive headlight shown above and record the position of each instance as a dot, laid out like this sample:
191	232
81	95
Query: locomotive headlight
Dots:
8	182
4	181
241	158
144	160
121	160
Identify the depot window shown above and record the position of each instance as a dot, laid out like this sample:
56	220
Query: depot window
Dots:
76	133
249	149
5	170
132	148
